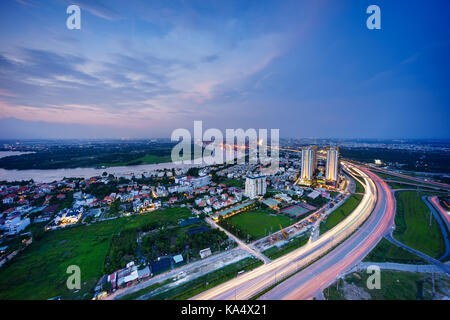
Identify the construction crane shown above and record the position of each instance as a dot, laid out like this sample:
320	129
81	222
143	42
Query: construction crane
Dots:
282	231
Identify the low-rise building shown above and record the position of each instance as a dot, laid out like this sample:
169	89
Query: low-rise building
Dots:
14	224
68	216
9	199
205	253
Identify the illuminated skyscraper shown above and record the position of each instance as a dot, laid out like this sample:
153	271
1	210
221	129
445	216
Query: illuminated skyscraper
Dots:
332	164
309	163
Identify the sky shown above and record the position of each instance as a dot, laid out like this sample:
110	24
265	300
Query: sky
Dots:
141	69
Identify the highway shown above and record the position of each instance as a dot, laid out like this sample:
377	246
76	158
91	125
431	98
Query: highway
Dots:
422	181
444	214
361	236
310	282
251	283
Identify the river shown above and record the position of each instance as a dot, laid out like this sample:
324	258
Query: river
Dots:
51	175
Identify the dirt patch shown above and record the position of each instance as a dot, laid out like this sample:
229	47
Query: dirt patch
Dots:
352	292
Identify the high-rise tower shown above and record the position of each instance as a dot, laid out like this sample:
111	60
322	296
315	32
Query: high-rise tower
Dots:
309	163
332	168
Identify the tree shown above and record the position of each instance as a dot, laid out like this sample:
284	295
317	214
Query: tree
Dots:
193	172
114	209
38	234
107	286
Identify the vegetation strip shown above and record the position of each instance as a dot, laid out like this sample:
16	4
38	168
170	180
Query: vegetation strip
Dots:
340	213
413	227
295	243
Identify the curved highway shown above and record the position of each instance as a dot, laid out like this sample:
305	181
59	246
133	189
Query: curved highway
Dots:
310	282
444	214
319	274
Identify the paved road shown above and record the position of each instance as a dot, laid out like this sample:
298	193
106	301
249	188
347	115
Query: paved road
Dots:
427	268
442	266
419	185
434	183
249	284
310	282
444	213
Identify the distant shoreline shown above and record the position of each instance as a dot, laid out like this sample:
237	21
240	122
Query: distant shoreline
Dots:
50	175
4	154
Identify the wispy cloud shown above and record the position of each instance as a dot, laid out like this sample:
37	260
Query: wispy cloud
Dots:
25	2
161	64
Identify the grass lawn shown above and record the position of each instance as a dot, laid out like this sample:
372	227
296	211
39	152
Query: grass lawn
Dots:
39	272
395	285
233	183
259	222
340	213
208	281
275	252
413	224
388	252
359	187
33	227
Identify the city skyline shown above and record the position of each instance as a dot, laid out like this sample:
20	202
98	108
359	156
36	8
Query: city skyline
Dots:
311	69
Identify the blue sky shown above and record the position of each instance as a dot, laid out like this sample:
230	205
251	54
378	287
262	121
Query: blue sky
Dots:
144	68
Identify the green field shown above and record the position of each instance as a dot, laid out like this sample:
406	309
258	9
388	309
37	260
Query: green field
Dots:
413	225
208	281
397	185
389	177
395	285
385	251
259	222
340	213
147	159
39	272
276	252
